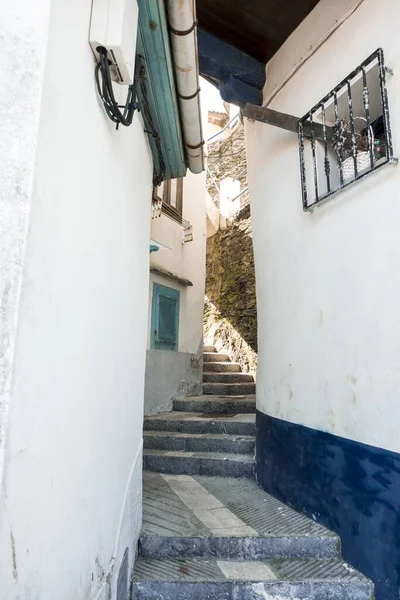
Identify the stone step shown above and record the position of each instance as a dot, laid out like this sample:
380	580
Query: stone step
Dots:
227	377
209	349
198	463
220	517
215	357
200	422
216	404
221	367
229	389
199	442
206	579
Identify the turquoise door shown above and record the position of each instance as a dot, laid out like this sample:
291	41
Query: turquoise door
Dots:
165	318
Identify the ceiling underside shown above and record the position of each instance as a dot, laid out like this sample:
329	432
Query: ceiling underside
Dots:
256	27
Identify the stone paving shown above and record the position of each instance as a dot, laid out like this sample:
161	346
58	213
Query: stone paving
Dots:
210	533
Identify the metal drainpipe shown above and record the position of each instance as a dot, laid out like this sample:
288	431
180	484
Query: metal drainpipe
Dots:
183	31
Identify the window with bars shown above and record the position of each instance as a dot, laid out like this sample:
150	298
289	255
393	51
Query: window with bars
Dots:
347	134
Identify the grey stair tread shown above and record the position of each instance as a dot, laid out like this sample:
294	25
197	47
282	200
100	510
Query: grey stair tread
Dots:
199	442
201	422
220	398
216	399
243	498
223	464
215	357
201	455
213	436
217	404
221	367
209	349
199	416
229	377
206	436
215	570
228	389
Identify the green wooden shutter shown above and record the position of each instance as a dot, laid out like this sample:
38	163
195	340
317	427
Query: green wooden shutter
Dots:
165	318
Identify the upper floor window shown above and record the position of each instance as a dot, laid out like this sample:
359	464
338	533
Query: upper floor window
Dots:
171	194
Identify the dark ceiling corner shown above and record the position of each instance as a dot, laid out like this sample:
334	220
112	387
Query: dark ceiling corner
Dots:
256	27
237	39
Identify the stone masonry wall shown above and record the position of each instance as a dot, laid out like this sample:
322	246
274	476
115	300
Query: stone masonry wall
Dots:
230	316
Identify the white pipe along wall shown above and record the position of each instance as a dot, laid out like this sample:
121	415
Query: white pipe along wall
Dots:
182	26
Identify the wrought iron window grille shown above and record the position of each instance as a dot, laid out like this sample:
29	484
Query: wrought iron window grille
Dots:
347	135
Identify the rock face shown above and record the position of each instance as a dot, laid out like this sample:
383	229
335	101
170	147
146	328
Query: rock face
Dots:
227	158
230	316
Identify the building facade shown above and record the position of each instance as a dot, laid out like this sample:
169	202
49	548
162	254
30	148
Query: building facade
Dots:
75	221
176	294
327	296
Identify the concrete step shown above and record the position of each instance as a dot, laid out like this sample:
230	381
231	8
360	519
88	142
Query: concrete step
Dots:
221	367
227	377
208	517
198	463
203	579
217	404
199	442
200	422
215	357
209	349
229	389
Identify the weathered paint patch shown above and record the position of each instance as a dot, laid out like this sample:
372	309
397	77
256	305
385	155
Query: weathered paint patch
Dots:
352	488
14	557
246	570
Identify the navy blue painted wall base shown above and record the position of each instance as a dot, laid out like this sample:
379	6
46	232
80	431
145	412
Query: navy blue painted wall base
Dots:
351	488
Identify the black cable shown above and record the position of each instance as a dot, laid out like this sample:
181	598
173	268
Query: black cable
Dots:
105	89
148	119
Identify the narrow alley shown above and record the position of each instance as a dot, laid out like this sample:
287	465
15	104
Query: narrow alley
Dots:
199	300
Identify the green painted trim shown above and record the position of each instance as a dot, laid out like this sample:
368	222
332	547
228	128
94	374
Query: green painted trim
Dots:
154	46
158	290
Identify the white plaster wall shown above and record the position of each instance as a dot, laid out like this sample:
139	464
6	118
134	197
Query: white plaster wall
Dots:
328	282
71	499
185	260
23	39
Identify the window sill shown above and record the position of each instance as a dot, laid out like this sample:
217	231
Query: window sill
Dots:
172	213
168	275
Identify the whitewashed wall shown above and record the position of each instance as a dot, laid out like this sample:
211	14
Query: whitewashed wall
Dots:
328	287
71	491
187	260
172	374
23	31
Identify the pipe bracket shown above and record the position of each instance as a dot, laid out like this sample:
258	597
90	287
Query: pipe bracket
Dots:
186	31
189	97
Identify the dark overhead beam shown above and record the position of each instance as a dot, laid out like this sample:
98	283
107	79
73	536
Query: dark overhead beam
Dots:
240	77
287	122
235	91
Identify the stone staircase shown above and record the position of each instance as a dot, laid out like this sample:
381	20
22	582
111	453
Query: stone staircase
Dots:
222	377
209	532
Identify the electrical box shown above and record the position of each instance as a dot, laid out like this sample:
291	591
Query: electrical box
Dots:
114	25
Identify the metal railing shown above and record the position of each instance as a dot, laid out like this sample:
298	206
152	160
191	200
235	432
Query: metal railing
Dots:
347	135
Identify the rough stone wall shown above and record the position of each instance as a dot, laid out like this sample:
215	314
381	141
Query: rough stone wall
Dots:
227	158
230	316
